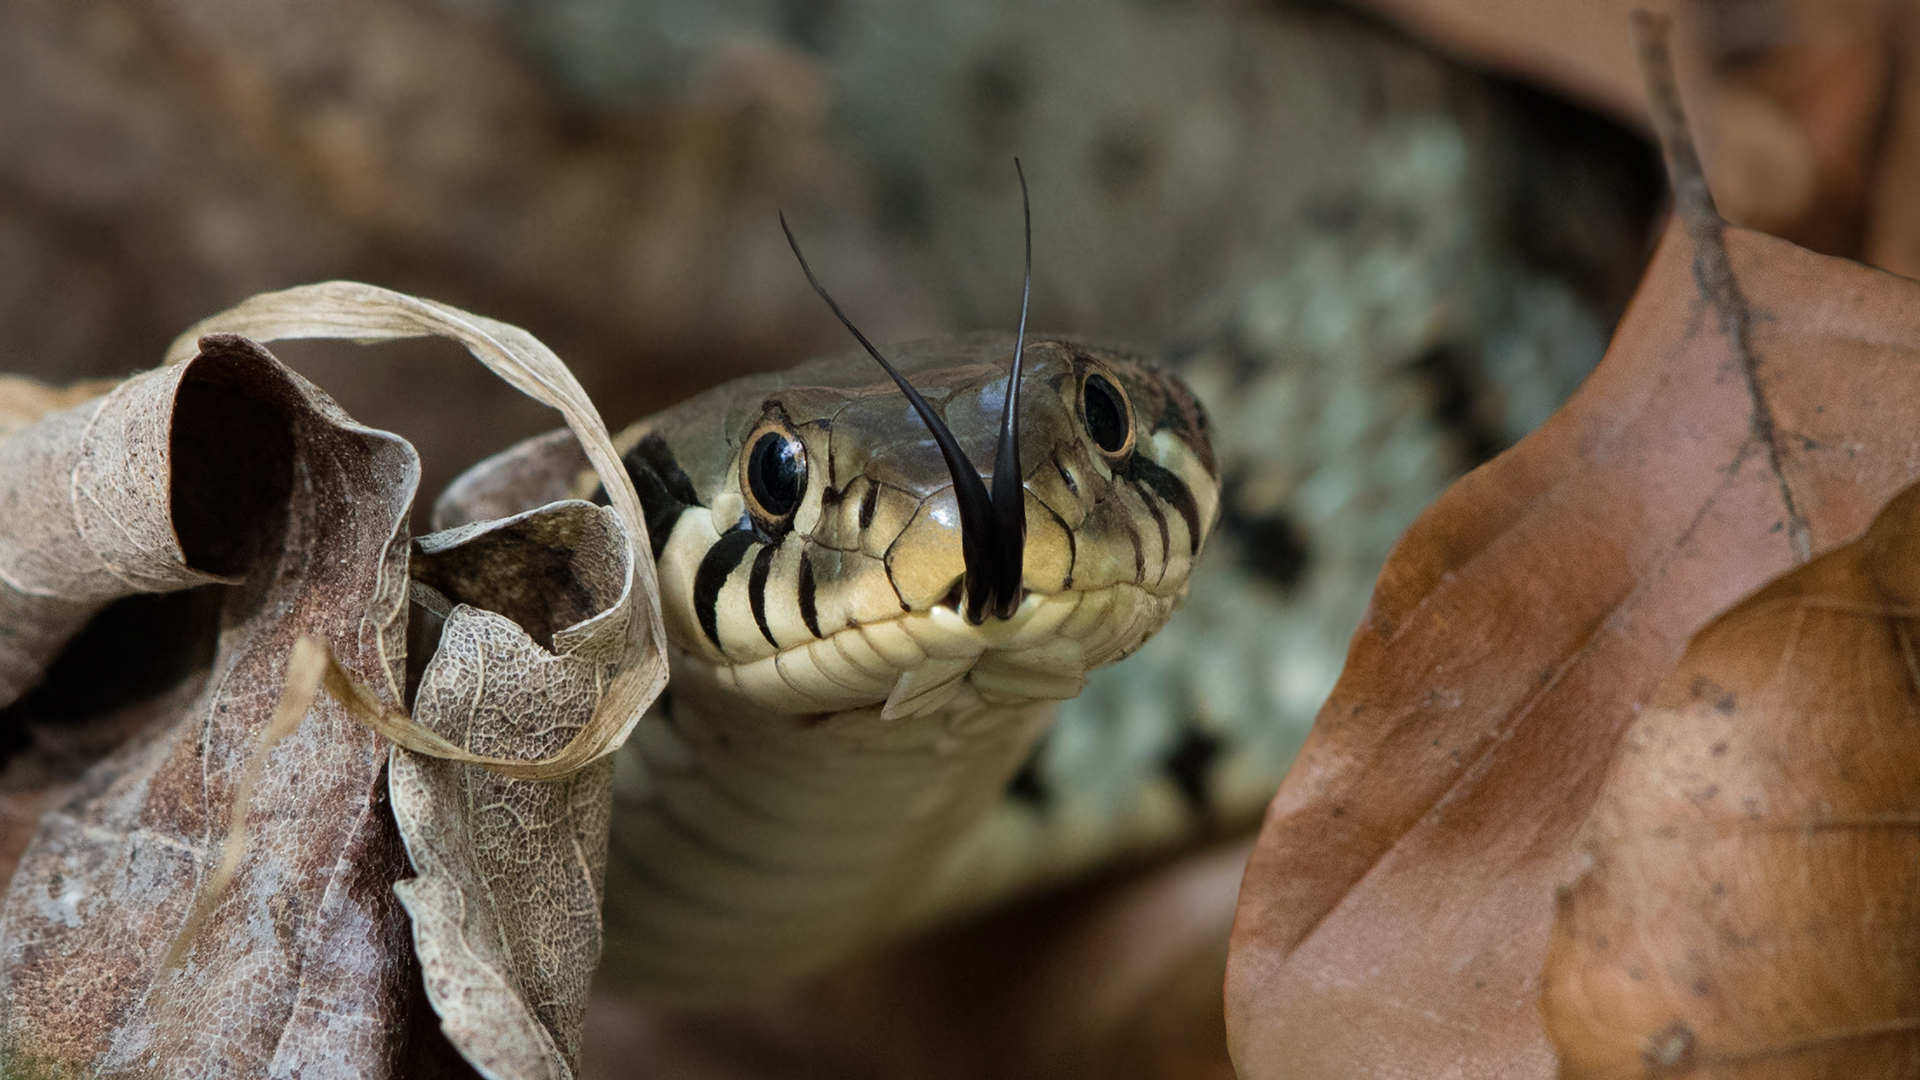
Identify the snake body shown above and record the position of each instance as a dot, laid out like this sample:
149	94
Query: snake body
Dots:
835	724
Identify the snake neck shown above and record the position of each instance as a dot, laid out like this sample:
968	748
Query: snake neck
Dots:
755	846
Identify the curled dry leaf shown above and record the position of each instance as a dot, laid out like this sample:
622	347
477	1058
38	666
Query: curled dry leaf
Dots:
87	498
549	649
1756	404
24	401
367	313
506	906
1753	903
227	467
203	471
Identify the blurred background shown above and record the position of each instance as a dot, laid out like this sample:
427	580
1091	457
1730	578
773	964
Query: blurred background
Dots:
605	173
1430	212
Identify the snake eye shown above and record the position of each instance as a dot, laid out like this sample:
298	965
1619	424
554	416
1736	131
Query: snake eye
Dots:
1108	416
773	475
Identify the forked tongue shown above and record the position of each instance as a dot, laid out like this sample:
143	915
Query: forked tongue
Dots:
993	526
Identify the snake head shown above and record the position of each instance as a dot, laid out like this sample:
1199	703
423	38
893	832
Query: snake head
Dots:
812	548
1056	538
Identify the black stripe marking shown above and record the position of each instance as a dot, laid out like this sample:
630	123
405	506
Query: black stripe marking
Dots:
663	486
757	590
1160	519
721	561
1185	418
654	451
1173	490
867	503
808	614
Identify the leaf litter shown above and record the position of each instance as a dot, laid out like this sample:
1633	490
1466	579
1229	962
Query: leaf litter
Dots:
216	896
1755	406
1751	903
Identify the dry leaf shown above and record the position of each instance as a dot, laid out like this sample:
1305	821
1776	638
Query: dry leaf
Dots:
1753	903
506	906
297	963
366	313
542	686
89	501
303	967
1756	405
24	401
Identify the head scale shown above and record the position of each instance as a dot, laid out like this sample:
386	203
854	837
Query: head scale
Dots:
993	525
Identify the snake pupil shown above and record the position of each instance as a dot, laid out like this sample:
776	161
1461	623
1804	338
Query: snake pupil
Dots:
1107	419
777	473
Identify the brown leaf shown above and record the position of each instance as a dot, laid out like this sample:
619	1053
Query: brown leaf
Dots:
302	967
1755	405
218	893
89	498
368	313
1754	890
506	907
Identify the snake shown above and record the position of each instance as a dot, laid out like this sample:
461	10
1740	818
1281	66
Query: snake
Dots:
868	634
1351	367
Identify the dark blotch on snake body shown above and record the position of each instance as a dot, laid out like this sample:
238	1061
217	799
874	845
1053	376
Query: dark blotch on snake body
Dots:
1190	765
1027	785
1272	545
721	560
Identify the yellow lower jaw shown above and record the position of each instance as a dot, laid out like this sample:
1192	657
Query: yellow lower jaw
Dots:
920	661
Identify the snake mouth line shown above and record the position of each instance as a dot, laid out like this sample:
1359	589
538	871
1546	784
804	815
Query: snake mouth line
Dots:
922	661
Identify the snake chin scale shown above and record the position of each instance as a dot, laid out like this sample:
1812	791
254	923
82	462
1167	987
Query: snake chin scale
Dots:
928	686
